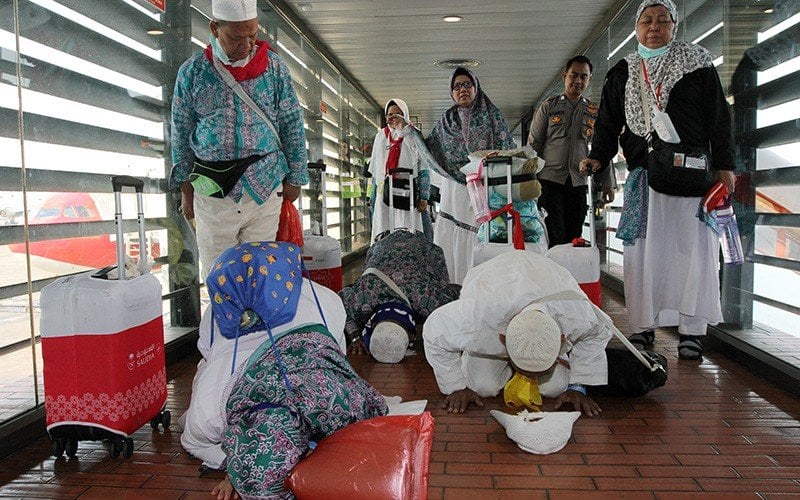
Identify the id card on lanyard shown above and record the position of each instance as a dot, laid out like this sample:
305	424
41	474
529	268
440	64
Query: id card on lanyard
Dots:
662	123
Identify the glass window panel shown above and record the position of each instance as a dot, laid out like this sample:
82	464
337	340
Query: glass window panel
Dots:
776	241
786	155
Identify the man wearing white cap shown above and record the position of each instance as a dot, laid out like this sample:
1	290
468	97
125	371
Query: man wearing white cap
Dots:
518	312
237	136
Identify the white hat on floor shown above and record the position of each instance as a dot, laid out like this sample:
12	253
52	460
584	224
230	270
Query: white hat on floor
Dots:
533	340
538	432
233	10
389	342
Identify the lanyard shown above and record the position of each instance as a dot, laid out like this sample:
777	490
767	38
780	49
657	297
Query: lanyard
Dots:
657	91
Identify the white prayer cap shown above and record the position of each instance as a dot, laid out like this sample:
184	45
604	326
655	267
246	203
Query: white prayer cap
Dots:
389	342
538	432
233	10
533	340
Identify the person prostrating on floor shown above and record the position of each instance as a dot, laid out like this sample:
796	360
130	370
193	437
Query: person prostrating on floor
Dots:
520	323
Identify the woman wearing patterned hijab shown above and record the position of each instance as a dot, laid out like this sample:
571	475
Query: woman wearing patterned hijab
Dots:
671	253
473	123
295	389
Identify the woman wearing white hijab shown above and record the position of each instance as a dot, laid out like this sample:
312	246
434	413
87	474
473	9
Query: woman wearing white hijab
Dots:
671	253
399	145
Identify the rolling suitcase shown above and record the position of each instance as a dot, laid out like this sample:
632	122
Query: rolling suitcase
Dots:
485	250
322	255
582	261
103	351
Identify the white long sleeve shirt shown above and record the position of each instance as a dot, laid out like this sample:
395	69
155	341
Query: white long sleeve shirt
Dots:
492	294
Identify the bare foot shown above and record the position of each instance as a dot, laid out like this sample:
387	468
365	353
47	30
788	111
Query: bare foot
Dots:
224	490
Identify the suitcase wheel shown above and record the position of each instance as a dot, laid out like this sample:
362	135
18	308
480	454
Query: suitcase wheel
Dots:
127	447
122	446
164	418
58	447
71	447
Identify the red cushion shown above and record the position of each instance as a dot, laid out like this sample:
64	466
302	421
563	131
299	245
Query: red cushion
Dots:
383	457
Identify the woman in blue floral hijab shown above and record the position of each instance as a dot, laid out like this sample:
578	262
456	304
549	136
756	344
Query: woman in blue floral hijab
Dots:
295	389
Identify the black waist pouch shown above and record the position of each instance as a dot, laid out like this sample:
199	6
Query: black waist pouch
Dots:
678	169
217	178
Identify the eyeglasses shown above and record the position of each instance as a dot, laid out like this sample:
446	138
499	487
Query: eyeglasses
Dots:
463	85
395	115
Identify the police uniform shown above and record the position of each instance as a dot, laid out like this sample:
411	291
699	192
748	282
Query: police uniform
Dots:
560	133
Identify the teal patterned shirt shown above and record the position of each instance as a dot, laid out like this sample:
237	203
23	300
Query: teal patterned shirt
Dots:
210	122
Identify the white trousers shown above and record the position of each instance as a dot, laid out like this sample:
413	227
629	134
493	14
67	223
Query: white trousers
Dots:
223	223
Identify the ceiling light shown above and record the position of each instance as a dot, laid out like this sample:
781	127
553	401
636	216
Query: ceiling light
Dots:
455	63
769	11
452	19
304	7
155	32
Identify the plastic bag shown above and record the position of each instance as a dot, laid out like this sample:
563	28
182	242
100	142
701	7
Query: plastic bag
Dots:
382	457
290	227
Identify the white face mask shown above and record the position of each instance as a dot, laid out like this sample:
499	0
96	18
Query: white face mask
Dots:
220	54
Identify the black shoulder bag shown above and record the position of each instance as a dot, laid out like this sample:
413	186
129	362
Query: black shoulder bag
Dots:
674	169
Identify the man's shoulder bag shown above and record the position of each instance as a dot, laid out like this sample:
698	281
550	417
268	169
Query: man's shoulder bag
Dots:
632	372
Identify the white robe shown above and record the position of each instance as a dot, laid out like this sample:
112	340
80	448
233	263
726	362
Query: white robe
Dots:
456	240
672	275
409	158
462	341
204	422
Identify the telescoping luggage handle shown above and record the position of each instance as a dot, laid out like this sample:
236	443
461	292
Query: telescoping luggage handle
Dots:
411	201
118	182
511	221
321	167
590	186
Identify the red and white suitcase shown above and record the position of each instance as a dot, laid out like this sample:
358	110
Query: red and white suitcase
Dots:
103	351
582	261
322	255
486	250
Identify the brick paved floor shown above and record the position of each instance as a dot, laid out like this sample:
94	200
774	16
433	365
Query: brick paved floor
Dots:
714	431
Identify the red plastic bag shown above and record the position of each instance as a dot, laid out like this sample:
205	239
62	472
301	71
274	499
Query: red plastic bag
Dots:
290	227
379	458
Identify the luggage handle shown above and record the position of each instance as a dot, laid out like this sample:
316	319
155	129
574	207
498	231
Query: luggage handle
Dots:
120	181
590	185
117	183
322	167
510	220
497	159
317	165
411	202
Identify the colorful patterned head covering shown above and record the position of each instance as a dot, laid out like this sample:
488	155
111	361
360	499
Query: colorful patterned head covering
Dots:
664	70
255	286
671	8
461	131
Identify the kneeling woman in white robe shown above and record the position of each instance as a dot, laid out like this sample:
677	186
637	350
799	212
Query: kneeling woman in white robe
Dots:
204	422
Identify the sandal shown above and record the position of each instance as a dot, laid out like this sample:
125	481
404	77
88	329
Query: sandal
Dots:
690	348
643	340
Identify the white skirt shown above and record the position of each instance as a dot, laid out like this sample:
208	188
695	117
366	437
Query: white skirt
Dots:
451	231
672	275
